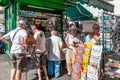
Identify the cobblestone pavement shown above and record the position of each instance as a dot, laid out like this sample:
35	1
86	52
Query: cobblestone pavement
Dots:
31	75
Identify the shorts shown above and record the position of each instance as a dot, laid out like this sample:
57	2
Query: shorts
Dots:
41	59
18	60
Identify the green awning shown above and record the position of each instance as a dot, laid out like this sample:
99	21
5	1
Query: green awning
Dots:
52	4
100	4
3	2
78	13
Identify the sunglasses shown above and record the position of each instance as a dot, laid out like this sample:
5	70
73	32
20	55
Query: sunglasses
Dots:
97	28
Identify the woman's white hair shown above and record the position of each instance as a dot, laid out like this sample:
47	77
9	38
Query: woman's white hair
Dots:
54	32
33	27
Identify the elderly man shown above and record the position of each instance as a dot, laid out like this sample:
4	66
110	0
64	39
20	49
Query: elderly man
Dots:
18	49
94	37
54	46
72	39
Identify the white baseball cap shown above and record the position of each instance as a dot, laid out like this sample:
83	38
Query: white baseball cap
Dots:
21	22
73	27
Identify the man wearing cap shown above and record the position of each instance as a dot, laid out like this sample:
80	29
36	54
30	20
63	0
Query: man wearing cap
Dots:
18	38
71	40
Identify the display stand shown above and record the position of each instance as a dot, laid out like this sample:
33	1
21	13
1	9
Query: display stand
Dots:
110	40
106	22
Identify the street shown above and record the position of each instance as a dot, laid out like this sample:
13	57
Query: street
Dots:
31	75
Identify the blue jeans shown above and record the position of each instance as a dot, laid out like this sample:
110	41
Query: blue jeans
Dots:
54	68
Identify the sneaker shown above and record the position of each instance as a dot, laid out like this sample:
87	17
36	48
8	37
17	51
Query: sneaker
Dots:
68	74
50	76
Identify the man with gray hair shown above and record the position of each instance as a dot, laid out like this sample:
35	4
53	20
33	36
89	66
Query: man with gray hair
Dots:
18	39
54	47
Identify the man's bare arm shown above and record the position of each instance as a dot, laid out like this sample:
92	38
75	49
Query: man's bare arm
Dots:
25	41
6	41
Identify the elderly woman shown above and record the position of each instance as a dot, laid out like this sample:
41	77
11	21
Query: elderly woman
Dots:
72	39
54	46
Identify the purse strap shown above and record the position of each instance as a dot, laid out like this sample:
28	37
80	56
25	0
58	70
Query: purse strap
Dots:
15	34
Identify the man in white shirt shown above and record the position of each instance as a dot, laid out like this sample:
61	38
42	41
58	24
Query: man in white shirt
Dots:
40	50
18	38
54	46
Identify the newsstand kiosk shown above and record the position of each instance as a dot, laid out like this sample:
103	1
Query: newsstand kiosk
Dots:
13	10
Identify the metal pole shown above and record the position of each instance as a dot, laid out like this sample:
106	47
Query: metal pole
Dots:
25	75
103	62
61	23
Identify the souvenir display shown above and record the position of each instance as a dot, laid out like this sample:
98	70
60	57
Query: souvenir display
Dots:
87	62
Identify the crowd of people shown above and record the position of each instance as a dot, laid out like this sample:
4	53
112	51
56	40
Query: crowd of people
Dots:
51	46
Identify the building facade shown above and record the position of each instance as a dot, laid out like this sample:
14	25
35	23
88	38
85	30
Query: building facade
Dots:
117	6
2	15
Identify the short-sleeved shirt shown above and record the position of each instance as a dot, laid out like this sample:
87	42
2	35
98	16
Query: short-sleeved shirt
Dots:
40	42
70	38
53	44
17	43
94	40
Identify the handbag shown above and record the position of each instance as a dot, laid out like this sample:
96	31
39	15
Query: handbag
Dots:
30	63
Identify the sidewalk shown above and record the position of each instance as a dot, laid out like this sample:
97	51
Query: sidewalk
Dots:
31	75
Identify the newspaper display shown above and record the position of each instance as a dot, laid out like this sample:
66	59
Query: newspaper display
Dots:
94	67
